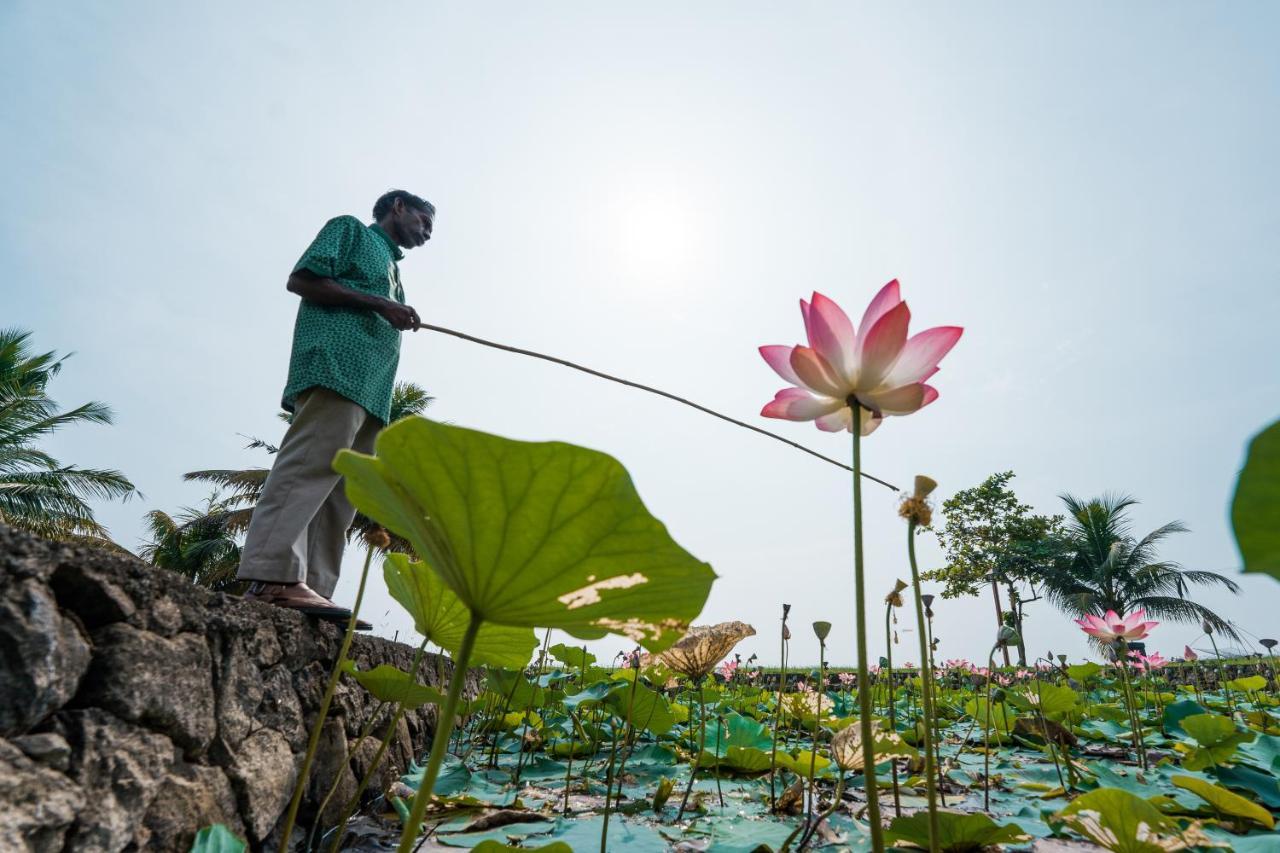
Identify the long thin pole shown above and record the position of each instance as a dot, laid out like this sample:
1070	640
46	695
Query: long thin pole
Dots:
565	363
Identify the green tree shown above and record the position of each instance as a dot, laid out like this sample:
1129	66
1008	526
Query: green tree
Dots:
993	539
198	543
1111	569
37	492
243	487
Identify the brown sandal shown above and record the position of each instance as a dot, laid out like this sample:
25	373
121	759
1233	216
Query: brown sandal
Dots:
302	598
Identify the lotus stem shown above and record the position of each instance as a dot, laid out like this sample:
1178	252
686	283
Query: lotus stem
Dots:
860	620
440	741
314	742
817	721
893	721
1135	720
1222	677
608	791
354	800
777	712
926	693
702	742
986	737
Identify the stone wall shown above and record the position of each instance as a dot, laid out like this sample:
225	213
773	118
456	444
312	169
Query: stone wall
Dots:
136	707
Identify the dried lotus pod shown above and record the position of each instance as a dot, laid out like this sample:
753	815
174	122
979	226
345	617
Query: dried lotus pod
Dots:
846	747
704	646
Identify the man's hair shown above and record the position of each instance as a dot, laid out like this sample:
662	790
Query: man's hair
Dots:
382	206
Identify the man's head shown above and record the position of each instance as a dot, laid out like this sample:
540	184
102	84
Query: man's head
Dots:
405	216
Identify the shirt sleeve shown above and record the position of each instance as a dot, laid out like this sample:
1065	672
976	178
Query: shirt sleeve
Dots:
329	254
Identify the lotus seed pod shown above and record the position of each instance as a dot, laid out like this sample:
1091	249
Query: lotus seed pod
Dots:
924	486
927	599
821	630
378	538
1268	644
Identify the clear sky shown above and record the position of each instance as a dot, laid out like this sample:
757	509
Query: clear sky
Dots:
1091	189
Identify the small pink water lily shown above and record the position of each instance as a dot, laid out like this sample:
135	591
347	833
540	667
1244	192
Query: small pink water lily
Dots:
1189	654
876	364
1113	627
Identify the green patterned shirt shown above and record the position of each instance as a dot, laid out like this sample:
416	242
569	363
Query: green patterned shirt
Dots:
351	351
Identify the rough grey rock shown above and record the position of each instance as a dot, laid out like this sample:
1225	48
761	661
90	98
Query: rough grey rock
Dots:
169	706
332	762
37	805
192	796
263	774
47	748
165	684
119	766
43	655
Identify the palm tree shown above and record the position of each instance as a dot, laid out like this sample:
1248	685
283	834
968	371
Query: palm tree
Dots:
1107	568
197	543
244	487
37	492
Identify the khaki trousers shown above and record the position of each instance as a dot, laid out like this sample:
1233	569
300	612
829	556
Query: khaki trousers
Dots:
298	530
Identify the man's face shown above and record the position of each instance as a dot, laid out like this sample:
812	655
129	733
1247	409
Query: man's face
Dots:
410	227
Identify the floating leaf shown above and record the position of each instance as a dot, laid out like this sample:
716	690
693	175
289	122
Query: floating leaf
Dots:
1177	712
1255	509
442	618
386	683
1217	737
530	534
572	656
1264	786
957	833
1082	672
1248	684
1224	801
491	846
217	839
1122	822
649	710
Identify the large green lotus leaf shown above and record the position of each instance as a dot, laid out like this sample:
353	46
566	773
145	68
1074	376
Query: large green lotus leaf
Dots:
1224	801
442	618
1255	509
574	656
1177	712
1248	684
1264	786
531	534
491	846
957	833
217	839
1217	737
1082	672
648	709
1053	700
388	684
1121	822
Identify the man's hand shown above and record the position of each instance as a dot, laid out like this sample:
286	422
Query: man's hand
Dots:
403	317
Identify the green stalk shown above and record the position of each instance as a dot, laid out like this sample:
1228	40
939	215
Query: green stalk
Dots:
1222	678
1135	721
314	742
817	720
777	712
860	620
702	742
440	741
986	736
608	791
893	720
926	694
349	808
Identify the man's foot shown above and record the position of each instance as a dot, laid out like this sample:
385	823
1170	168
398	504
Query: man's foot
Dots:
302	598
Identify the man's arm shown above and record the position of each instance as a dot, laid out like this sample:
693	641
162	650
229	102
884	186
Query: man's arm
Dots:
326	291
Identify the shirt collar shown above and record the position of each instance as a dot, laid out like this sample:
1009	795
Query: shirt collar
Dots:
391	244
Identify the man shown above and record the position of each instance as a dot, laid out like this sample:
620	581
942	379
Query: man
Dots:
346	345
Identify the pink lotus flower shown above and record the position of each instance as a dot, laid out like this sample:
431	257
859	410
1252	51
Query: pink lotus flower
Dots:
847	679
728	668
876	365
1189	654
1113	627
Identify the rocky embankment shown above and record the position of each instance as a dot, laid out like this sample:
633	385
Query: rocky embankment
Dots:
136	707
